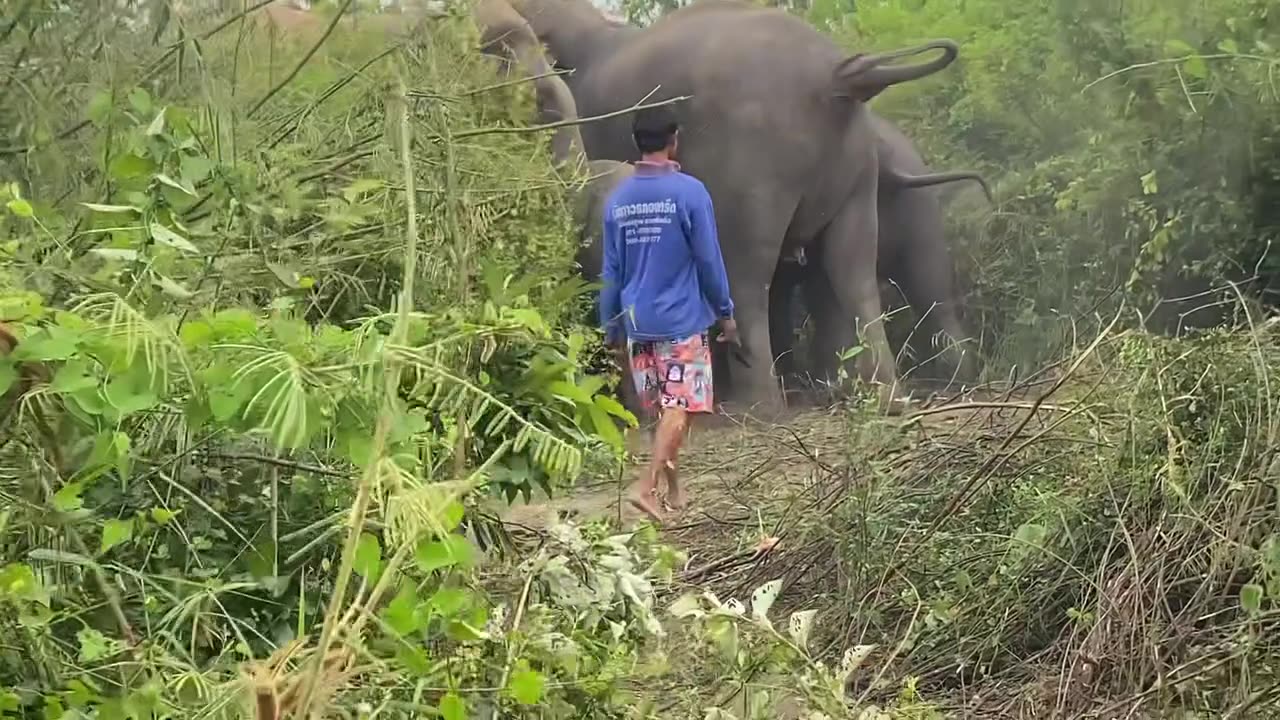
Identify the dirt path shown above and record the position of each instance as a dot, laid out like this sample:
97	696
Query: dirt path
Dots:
737	468
730	466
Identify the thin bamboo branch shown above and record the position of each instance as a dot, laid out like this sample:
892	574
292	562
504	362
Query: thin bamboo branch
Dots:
284	82
566	123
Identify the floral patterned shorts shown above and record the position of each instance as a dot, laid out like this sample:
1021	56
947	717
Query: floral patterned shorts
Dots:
673	373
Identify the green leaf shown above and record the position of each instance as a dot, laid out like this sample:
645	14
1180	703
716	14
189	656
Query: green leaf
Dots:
451	516
570	391
1196	67
414	660
227	399
72	377
453	707
18	581
605	428
162	516
51	343
368	560
724	634
115	532
130	168
20	207
436	554
686	606
448	601
99	107
1030	536
401	614
195	168
93	645
353	191
616	409
165	236
67	499
140	101
124	395
526	685
8	376
1251	598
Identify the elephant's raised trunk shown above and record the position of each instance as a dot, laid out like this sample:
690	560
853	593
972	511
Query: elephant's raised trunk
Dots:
895	179
507	35
862	77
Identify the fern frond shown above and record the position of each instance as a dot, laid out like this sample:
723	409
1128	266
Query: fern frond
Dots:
284	393
417	510
158	343
454	392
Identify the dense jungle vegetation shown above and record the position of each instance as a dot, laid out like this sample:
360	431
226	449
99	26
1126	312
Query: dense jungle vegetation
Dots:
297	316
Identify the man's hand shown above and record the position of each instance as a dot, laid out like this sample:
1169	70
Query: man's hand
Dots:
729	332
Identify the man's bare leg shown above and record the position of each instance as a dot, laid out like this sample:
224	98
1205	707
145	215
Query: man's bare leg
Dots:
672	427
644	492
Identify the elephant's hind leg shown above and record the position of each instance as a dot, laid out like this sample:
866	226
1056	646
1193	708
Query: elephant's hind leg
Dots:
926	281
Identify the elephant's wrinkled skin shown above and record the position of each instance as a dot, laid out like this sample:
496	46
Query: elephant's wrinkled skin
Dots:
507	37
913	255
786	148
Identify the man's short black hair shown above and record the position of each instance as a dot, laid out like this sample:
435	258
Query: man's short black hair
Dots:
654	127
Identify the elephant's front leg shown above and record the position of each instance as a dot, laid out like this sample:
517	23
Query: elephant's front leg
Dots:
751	232
850	246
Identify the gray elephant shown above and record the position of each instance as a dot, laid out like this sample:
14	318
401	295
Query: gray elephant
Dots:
777	129
913	256
507	37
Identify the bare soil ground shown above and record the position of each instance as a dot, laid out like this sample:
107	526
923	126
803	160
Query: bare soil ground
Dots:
732	465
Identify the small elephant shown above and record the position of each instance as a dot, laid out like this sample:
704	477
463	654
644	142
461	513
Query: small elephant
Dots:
914	257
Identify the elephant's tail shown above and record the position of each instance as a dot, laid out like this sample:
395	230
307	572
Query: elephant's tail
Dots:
862	77
898	180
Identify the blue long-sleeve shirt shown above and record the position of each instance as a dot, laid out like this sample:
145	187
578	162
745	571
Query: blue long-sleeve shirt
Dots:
663	276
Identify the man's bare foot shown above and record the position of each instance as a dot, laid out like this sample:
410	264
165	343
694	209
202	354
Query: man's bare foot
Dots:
676	497
646	501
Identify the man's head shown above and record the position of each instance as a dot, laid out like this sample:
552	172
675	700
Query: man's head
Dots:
655	130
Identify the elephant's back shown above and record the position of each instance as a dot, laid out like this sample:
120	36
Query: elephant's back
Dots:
755	75
895	149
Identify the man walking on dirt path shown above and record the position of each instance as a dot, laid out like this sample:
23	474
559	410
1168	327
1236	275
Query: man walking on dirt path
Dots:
664	287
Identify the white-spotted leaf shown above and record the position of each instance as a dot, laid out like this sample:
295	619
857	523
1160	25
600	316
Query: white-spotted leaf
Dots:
103	208
165	236
852	660
798	627
762	599
175	184
121	254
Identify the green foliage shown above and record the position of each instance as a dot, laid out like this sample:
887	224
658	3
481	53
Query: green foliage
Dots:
1132	147
261	396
